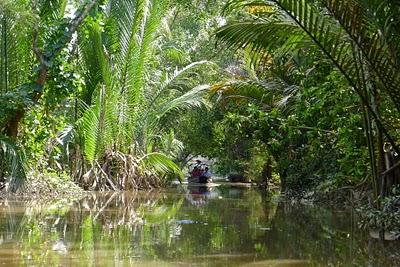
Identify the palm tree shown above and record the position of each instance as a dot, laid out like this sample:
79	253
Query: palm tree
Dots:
358	37
127	101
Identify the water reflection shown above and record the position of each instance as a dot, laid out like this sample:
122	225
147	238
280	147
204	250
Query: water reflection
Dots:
199	195
220	226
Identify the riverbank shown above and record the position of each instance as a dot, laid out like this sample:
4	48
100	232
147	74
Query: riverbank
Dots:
46	186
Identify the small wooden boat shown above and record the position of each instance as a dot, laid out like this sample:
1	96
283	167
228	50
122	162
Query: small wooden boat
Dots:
203	184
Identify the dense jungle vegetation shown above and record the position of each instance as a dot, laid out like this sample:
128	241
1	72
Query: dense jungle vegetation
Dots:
121	94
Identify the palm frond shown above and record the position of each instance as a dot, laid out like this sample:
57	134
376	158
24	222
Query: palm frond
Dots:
161	163
14	49
275	93
170	145
257	34
123	26
342	44
88	129
132	27
92	127
345	38
14	165
191	99
174	54
371	42
66	138
160	97
52	8
306	22
149	27
170	81
92	59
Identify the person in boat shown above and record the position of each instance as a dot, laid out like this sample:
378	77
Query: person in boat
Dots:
197	172
205	177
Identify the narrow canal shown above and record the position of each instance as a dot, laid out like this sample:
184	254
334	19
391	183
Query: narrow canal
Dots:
221	226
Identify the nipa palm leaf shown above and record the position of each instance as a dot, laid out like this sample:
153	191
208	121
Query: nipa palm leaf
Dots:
161	163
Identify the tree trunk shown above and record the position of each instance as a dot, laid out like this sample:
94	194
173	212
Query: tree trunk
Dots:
14	121
266	174
12	125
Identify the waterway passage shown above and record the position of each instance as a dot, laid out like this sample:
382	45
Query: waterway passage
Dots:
221	226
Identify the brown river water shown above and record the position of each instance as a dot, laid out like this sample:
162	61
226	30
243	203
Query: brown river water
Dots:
220	226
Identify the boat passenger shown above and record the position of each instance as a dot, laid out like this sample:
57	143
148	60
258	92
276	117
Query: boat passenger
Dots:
197	172
205	177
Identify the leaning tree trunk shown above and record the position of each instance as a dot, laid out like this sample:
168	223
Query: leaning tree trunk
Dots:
12	126
53	49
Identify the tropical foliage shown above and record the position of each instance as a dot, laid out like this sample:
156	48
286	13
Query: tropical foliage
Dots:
298	97
349	34
125	112
123	94
117	77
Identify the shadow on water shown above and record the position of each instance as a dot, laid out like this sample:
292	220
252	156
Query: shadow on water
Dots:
197	226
